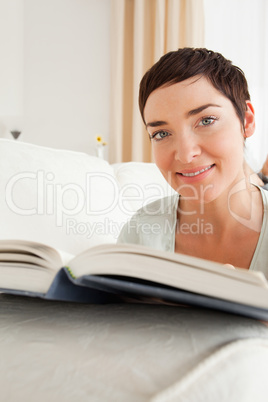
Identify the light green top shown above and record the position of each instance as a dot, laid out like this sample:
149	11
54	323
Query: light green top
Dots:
154	226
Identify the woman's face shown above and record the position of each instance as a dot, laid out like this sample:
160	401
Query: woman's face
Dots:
197	138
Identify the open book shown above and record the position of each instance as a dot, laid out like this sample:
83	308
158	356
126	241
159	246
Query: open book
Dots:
112	273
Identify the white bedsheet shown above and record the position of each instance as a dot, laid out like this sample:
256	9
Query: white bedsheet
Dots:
71	352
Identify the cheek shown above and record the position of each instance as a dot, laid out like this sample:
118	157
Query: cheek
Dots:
227	146
162	157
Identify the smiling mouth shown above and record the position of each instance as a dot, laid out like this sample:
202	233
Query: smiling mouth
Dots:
198	172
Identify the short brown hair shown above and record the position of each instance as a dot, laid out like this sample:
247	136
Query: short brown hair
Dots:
188	62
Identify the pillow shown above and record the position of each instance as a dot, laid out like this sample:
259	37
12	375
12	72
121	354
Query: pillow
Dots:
140	183
65	199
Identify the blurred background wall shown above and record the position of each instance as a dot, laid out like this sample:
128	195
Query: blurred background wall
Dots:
56	62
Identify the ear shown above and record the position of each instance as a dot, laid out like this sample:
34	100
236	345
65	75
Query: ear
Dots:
249	120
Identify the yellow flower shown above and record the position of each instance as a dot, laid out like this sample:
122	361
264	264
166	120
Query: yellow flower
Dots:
100	140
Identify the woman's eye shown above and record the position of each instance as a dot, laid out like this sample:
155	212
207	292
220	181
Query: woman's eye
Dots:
160	135
207	121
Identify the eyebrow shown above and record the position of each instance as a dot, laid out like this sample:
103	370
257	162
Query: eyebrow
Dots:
201	108
156	123
192	112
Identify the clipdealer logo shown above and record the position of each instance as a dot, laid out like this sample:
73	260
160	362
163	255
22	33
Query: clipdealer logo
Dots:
98	196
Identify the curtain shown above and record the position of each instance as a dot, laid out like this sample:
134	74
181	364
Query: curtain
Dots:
141	32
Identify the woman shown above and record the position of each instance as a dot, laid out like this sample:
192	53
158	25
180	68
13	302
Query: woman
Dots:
197	110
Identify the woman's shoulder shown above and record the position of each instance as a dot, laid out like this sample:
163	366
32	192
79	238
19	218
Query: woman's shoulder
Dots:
264	193
260	258
152	225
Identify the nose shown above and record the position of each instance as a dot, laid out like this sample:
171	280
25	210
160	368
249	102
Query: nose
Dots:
186	148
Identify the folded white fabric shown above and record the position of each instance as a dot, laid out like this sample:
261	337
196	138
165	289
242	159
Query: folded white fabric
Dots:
235	373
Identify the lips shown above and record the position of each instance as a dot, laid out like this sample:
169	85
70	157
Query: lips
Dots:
193	173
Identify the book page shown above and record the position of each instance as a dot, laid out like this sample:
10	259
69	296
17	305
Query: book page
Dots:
176	270
33	252
105	250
